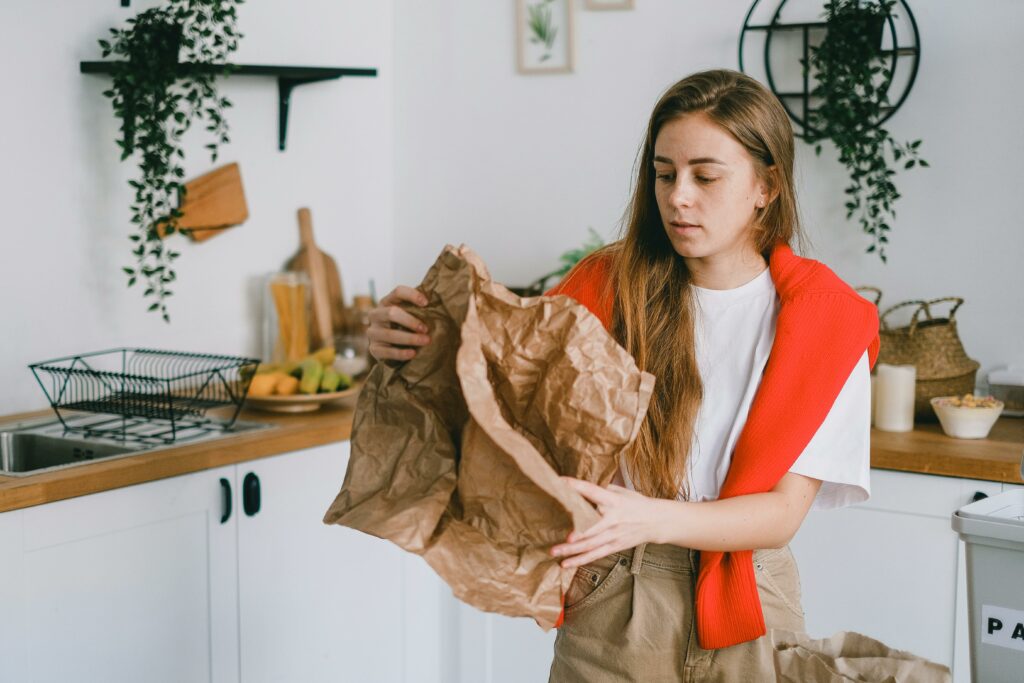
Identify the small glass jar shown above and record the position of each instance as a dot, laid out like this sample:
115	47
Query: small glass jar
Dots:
352	357
287	316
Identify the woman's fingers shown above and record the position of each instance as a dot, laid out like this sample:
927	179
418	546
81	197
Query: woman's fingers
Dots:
386	316
403	293
581	546
393	329
592	492
597	528
383	335
388	352
392	344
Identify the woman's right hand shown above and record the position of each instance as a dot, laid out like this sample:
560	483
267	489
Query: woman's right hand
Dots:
393	329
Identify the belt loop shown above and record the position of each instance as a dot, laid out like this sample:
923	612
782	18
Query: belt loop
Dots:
638	558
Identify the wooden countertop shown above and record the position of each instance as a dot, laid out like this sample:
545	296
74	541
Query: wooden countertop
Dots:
291	432
926	450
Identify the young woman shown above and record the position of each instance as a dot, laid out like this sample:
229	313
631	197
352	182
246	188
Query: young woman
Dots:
704	290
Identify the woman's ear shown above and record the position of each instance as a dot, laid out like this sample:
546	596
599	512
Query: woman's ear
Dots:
769	187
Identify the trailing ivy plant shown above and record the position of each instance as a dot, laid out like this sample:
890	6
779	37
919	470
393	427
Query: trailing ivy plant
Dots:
852	82
157	99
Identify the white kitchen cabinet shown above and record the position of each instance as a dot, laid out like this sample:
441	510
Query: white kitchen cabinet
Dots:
135	584
888	568
498	649
12	608
316	602
145	583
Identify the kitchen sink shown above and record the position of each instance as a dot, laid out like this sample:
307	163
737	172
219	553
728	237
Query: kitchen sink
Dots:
47	445
22	452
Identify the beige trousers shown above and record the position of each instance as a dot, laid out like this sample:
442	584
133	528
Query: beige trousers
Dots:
630	617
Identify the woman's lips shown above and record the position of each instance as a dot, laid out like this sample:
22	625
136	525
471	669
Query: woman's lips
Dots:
684	228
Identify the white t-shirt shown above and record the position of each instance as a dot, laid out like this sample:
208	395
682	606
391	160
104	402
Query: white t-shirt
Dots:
734	330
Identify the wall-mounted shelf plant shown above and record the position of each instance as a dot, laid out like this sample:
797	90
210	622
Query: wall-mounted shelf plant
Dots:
848	67
164	67
156	104
288	77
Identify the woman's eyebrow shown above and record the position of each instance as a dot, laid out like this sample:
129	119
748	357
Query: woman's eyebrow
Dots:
693	162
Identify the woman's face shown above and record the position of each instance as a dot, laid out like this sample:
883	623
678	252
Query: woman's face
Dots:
707	189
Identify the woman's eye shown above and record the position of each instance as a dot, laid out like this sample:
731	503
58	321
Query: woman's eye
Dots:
705	179
664	177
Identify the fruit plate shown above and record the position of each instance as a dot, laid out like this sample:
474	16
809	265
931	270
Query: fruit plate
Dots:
302	403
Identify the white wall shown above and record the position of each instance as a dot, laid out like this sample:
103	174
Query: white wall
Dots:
449	144
518	166
66	199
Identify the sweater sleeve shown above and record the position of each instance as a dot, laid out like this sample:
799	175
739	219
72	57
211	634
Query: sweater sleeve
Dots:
839	453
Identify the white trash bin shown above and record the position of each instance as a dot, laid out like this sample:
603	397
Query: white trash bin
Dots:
993	532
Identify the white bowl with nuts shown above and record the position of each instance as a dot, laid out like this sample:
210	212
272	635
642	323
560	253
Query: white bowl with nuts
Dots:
967	416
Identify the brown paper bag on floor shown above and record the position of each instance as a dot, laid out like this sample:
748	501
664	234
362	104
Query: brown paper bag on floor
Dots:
848	656
457	453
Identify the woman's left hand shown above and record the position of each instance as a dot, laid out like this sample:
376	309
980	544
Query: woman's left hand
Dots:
627	519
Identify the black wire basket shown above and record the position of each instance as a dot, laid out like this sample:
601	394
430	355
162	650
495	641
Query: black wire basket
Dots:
166	391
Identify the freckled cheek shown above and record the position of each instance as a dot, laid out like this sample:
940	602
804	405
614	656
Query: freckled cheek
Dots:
664	203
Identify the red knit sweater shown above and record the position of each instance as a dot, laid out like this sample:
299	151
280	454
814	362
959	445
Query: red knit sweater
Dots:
823	329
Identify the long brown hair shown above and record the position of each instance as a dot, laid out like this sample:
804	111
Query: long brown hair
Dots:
653	314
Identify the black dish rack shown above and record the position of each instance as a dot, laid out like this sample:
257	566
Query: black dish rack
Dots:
144	395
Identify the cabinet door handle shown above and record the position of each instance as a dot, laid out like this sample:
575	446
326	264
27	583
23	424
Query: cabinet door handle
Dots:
978	495
225	486
251	494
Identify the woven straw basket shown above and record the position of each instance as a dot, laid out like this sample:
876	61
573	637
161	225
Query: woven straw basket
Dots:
932	345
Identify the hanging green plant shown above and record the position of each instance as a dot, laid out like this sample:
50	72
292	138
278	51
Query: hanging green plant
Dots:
157	98
852	88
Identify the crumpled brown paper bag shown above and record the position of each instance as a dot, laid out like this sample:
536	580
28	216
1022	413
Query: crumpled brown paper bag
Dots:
848	656
456	454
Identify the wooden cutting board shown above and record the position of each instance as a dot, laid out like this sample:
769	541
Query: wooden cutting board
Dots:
213	202
303	261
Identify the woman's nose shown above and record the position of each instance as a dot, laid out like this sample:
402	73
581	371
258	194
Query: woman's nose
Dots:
682	194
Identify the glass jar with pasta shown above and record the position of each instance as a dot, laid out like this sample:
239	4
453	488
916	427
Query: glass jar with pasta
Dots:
286	317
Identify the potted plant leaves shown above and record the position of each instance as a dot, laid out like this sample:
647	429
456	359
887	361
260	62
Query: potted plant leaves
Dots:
164	79
852	81
568	259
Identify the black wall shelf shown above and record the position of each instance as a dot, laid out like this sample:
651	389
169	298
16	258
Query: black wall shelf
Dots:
800	113
288	77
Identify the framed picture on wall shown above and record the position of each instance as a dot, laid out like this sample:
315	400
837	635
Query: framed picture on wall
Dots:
608	4
544	36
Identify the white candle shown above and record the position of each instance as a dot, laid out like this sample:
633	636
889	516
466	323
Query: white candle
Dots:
894	397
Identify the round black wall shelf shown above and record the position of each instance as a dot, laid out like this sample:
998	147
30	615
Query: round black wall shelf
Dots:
900	34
